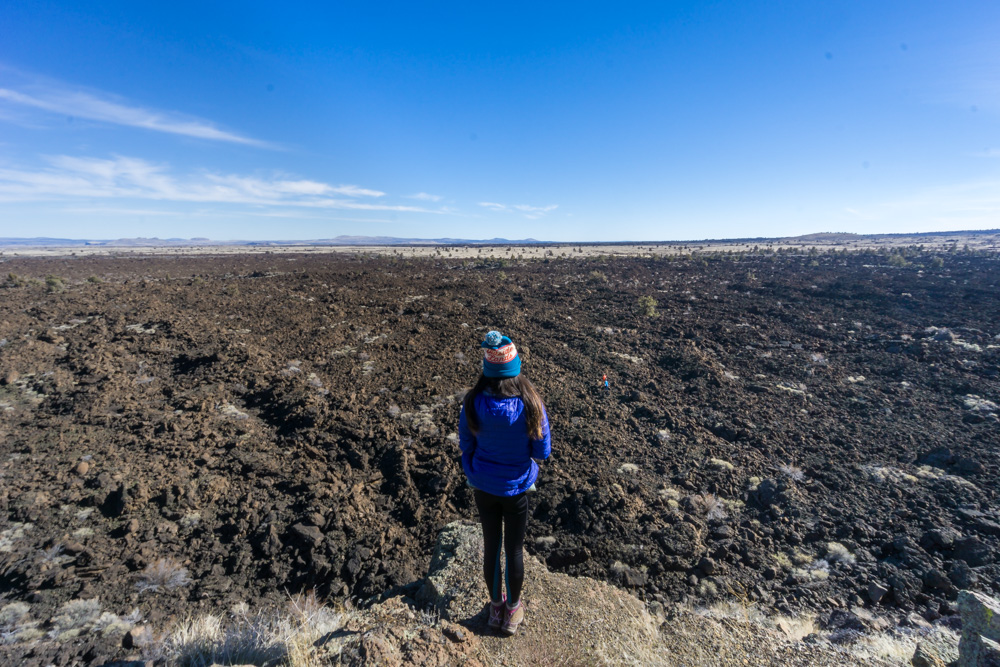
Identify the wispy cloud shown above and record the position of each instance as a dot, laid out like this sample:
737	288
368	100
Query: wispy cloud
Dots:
530	212
534	209
105	108
423	196
113	210
69	177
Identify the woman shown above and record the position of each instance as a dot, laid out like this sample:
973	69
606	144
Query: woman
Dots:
501	428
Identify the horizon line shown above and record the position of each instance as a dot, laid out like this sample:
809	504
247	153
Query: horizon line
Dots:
341	240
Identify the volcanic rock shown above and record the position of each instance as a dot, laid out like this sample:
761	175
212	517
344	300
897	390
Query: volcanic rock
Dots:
938	649
973	551
876	592
939	538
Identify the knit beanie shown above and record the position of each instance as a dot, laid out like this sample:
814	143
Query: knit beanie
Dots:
500	359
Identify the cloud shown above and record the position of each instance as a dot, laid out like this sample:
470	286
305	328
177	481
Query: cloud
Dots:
102	108
423	196
119	177
112	210
530	212
535	209
355	191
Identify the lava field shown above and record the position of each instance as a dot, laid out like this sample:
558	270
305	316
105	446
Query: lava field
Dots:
810	431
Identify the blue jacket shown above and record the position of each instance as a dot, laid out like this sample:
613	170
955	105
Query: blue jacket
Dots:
497	460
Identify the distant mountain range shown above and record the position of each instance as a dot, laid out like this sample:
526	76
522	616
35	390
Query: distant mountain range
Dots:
822	237
42	241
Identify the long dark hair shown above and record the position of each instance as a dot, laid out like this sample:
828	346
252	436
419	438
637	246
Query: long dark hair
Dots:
519	386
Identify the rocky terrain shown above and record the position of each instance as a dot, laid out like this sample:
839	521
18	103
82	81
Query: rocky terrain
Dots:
570	621
805	432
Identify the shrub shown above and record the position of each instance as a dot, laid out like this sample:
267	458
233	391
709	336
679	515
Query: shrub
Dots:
647	306
838	553
782	560
937	263
164	574
897	260
52	553
595	277
793	473
720	464
14	280
707	506
12	620
54	284
111	624
96	280
75	615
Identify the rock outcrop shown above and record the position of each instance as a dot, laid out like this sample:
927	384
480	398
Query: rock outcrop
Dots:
569	620
581	621
980	630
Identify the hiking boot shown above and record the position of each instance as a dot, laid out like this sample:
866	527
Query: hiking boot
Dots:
497	612
512	618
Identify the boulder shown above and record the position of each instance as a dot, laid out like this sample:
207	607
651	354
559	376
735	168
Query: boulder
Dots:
310	535
980	630
568	556
962	575
939	538
940	457
838	619
935	579
137	637
876	592
973	551
937	649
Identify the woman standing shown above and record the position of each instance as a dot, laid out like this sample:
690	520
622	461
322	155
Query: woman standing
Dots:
502	427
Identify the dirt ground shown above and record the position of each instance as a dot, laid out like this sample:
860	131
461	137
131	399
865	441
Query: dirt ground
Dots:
804	431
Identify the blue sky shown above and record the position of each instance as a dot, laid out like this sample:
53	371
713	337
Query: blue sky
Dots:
558	121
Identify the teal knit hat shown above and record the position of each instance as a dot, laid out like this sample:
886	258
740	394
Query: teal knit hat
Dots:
500	358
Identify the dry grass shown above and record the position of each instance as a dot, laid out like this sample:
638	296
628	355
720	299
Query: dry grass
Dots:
74	617
895	646
720	464
15	622
793	473
708	506
273	637
838	553
163	575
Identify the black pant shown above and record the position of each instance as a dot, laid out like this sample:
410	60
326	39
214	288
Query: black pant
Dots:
498	513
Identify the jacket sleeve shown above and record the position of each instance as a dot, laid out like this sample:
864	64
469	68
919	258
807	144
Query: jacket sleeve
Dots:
466	439
540	449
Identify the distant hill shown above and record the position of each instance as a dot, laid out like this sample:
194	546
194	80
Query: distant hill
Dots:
44	241
346	240
829	237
